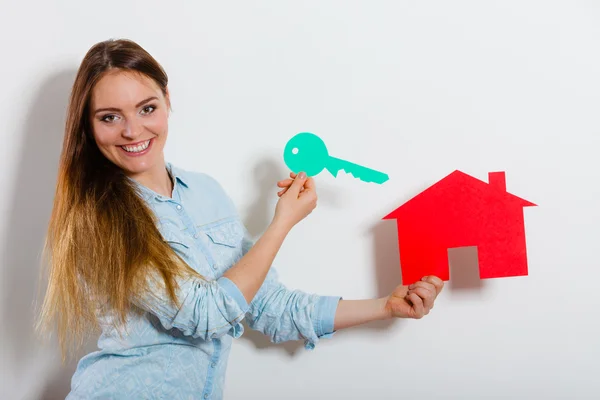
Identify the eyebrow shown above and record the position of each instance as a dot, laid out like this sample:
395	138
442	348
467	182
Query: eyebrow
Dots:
117	109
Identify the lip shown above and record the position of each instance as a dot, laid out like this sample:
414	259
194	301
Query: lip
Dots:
141	153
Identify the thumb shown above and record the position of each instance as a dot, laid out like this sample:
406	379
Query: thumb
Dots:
297	184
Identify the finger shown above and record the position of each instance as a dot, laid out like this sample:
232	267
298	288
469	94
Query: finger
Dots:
435	281
294	188
284	185
282	191
285	182
427	295
418	310
431	288
425	285
422	284
293	175
309	185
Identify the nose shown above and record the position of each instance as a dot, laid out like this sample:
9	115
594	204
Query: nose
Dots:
132	129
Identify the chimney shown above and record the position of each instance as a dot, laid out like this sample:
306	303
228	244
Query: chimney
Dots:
497	180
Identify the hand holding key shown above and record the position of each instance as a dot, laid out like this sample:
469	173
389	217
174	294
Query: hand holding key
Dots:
296	202
286	183
307	152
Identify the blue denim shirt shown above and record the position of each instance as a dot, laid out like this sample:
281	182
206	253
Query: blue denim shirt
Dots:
181	353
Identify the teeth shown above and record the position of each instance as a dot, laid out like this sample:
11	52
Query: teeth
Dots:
136	149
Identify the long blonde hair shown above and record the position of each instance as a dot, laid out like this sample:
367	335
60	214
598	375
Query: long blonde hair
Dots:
102	241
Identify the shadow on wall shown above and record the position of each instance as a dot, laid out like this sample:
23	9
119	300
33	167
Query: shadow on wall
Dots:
266	174
258	217
464	269
387	262
32	196
462	262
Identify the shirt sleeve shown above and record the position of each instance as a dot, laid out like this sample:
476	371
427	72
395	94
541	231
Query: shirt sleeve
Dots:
205	309
283	314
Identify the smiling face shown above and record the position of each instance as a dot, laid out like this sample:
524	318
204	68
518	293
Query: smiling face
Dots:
129	119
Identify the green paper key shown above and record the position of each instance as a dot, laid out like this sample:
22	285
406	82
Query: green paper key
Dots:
307	152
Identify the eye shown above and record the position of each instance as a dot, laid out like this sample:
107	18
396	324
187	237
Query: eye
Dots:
148	109
108	118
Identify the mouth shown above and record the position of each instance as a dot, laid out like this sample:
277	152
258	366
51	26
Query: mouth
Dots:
137	149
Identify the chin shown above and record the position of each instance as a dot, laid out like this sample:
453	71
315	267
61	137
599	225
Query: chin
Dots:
136	168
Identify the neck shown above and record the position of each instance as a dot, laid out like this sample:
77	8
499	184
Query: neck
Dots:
156	179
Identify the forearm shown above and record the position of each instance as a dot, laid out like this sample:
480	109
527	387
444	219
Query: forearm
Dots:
249	273
357	312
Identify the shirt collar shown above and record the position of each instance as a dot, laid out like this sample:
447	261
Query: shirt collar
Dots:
176	174
149	194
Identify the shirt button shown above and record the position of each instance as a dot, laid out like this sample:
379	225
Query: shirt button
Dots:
206	395
196	235
212	365
178	206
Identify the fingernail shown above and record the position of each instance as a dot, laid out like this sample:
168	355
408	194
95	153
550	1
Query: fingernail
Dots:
301	175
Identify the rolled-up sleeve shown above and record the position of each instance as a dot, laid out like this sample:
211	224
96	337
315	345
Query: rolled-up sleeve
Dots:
325	315
283	314
205	309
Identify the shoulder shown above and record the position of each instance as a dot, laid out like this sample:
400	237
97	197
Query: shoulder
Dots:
194	177
201	182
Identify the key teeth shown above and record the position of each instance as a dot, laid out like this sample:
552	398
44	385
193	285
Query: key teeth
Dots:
385	177
345	173
350	173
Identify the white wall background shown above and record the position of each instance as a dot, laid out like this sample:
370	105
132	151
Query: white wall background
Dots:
415	89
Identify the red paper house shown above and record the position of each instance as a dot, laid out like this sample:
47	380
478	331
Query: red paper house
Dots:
460	211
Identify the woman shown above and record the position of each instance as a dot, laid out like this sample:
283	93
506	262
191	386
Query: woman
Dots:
157	258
